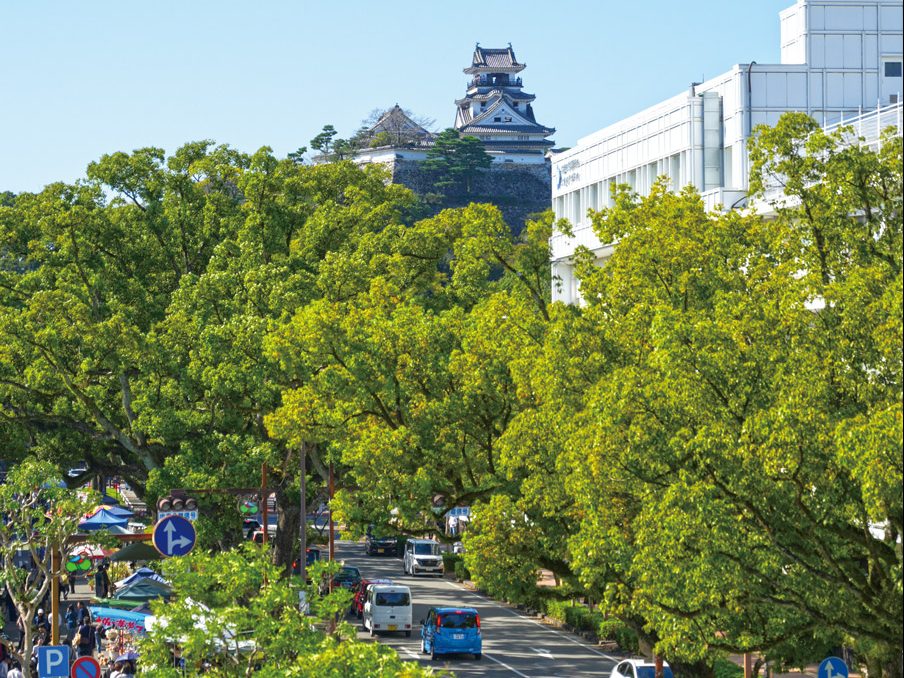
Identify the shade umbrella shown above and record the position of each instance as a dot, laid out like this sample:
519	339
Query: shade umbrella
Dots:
101	521
129	656
118	511
137	550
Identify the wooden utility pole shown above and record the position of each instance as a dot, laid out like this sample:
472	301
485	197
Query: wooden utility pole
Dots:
303	508
264	502
332	530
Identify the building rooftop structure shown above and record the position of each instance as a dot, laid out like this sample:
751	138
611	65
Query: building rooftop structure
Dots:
839	58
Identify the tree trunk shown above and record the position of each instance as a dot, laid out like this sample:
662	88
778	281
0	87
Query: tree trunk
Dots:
286	541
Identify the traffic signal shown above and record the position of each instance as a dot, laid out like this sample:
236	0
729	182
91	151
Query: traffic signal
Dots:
177	501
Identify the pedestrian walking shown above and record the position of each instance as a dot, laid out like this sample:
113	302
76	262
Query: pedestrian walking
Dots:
15	671
99	582
81	612
85	638
72	579
64	585
108	585
71	622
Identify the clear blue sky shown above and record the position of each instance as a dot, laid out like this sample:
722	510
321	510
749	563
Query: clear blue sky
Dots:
86	78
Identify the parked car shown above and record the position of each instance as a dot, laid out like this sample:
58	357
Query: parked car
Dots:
375	543
258	535
639	668
451	630
313	555
387	608
361	594
348	577
423	556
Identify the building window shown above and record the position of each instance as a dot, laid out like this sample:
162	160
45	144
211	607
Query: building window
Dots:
497	119
892	69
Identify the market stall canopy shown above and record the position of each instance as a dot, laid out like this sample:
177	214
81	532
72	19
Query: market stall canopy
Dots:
102	520
131	605
140	573
111	618
136	551
144	589
118	511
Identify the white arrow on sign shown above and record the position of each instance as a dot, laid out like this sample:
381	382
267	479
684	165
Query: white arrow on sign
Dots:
546	654
169	528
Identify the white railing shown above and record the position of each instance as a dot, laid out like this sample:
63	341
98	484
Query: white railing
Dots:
868	125
867	130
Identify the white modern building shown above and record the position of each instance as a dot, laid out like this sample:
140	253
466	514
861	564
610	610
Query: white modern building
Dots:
838	59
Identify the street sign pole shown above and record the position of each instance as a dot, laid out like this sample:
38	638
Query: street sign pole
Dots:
54	595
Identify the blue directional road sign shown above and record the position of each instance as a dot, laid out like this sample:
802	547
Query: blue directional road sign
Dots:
53	661
174	536
832	667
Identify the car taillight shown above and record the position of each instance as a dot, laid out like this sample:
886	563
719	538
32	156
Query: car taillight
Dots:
477	618
439	622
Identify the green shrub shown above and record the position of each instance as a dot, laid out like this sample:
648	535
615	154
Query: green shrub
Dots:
726	669
461	572
613	629
449	561
555	609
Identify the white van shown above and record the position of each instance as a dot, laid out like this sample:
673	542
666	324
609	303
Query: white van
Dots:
387	608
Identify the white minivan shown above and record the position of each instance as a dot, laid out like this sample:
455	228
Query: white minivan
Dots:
387	608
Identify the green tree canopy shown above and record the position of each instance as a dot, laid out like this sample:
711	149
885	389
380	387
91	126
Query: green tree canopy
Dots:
456	159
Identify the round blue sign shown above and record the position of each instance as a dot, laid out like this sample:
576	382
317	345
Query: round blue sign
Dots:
174	536
832	667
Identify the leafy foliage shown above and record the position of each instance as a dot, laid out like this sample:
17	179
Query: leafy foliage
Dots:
233	615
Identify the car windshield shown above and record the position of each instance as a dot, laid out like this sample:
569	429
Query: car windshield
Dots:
392	598
458	620
650	672
348	573
426	549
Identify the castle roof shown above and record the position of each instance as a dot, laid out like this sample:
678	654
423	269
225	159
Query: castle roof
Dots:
394	120
494	59
520	123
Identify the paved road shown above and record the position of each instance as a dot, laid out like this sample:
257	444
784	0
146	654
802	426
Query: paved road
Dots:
513	645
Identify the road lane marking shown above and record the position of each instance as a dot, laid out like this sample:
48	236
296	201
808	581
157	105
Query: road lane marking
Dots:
532	621
506	666
546	654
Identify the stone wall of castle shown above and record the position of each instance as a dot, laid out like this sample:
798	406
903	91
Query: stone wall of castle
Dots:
519	190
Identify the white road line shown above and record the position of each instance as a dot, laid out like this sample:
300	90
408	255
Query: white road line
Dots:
506	666
532	621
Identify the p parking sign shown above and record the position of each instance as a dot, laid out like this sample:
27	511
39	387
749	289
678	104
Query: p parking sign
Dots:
53	661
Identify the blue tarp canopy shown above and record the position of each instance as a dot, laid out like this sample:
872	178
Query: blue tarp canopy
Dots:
102	520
